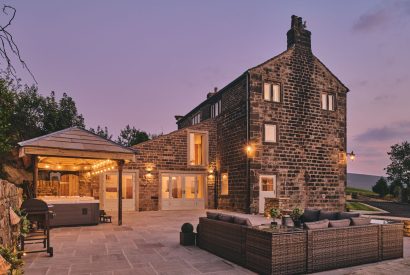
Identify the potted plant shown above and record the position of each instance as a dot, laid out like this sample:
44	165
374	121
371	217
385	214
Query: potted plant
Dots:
12	260
275	214
296	215
187	235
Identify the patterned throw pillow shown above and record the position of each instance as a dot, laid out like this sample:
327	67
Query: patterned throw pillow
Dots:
340	223
317	225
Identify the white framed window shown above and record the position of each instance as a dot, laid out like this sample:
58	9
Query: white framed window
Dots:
270	133
196	119
197	149
271	92
328	102
268	184
216	109
224	184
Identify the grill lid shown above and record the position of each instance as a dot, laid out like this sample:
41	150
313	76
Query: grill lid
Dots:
34	205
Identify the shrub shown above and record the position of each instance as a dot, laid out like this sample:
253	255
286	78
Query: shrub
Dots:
187	228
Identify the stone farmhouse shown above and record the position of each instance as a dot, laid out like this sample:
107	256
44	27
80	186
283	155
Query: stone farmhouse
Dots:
276	131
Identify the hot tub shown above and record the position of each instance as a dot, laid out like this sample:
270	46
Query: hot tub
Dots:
73	210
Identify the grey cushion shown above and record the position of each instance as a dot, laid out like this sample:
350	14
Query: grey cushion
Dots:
242	221
310	215
327	215
212	215
339	223
225	218
317	225
360	221
347	215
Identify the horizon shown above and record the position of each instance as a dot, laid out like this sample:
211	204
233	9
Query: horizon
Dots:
144	64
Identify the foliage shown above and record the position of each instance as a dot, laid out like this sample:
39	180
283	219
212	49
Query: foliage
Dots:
131	136
275	213
362	192
381	187
12	258
296	214
398	170
187	228
102	132
24	222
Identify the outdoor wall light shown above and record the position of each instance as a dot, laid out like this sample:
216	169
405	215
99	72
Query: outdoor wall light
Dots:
351	155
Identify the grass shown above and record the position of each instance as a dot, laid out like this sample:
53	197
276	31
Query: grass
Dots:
358	206
363	192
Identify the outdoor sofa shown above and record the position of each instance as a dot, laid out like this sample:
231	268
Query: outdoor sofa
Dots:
297	251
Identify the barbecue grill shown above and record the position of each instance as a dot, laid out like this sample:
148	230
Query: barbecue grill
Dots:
39	215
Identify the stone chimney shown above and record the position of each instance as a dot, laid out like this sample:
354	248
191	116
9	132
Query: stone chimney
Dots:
298	36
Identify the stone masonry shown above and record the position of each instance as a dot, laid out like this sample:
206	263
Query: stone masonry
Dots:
10	196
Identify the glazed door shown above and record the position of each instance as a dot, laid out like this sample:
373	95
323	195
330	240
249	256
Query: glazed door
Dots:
267	189
179	192
111	191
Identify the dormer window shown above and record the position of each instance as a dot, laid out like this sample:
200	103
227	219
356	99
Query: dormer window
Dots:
328	102
196	119
216	109
271	92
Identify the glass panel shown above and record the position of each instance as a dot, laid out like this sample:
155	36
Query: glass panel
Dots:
276	92
224	184
270	133
198	149
192	149
324	101
111	186
266	91
190	187
331	103
127	187
200	187
267	183
165	187
176	186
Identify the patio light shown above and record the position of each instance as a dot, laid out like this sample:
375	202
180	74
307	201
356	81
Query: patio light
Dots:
352	156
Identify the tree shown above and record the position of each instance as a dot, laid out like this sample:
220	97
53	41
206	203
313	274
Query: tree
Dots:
398	170
131	136
7	105
381	187
102	132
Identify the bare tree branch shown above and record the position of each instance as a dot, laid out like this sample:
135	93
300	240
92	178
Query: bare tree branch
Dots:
7	44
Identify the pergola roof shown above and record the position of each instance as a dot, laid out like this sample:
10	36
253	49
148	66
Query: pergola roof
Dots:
76	142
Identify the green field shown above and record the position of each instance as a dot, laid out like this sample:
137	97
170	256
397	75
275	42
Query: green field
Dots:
363	192
359	206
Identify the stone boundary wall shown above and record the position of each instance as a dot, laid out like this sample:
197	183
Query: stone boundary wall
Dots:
10	196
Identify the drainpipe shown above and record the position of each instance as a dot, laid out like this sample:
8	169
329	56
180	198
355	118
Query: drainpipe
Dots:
248	178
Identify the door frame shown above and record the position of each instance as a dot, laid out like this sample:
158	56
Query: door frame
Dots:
182	173
135	183
275	177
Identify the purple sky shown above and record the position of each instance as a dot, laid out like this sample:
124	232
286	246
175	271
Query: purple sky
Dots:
142	62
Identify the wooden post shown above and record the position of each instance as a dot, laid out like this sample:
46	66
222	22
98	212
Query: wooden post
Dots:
120	168
35	175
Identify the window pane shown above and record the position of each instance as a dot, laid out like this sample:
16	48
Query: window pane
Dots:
176	188
331	103
224	184
267	92
219	106
276	92
191	149
111	186
324	101
267	184
165	187
190	187
270	133
200	187
127	187
198	150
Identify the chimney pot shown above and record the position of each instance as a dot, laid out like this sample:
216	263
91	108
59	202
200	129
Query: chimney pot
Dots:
298	36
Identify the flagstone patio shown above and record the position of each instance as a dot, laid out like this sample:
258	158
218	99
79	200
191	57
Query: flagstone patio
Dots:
148	243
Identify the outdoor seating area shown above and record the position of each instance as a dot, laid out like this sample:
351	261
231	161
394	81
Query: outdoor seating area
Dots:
276	249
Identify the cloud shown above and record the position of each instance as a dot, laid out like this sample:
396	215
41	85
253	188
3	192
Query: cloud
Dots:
397	130
371	20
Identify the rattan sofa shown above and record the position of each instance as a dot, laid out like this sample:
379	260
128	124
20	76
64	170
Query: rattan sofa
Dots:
305	251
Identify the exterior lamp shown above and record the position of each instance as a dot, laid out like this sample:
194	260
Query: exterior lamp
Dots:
248	149
352	156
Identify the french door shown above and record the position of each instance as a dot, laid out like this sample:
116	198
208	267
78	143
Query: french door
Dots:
111	191
182	191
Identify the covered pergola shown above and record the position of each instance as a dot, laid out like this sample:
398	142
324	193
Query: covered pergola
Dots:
76	149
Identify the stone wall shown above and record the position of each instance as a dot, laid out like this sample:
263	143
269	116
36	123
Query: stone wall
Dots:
10	196
169	153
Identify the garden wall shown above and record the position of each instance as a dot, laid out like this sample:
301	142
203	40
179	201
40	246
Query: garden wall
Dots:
10	196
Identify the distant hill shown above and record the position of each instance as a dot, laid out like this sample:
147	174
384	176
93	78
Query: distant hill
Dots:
361	181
